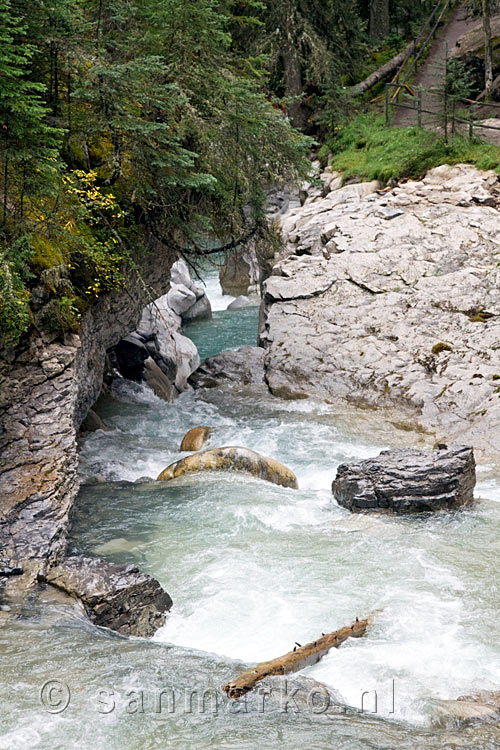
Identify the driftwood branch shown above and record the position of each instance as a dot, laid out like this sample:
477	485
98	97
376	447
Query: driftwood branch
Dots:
293	661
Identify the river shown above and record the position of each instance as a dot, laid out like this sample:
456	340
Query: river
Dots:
252	568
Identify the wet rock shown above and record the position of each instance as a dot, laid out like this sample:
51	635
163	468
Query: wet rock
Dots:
131	353
232	458
119	597
156	379
93	422
464	712
241	301
408	481
245	366
10	568
200	310
195	439
236	273
180	298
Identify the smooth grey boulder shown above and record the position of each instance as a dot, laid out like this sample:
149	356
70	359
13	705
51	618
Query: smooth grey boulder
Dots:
180	298
408	481
119	597
199	310
179	273
241	301
244	366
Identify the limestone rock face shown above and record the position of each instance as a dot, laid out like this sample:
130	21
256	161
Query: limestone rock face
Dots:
245	267
244	366
397	306
408	481
119	597
232	458
47	388
195	439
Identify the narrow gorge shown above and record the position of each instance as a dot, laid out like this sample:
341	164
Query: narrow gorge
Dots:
249	375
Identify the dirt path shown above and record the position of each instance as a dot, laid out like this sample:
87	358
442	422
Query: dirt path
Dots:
432	71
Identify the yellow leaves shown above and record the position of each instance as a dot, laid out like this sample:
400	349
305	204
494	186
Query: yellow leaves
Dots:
82	186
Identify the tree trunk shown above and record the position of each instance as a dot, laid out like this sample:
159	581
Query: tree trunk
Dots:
293	661
488	51
293	83
379	20
378	75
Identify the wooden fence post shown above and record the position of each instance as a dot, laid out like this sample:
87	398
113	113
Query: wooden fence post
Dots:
387	118
446	93
471	120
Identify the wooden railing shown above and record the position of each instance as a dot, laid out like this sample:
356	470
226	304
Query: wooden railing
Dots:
444	114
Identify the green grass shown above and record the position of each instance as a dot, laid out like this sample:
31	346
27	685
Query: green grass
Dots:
367	149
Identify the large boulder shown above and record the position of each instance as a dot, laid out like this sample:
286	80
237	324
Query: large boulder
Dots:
199	310
408	480
232	458
245	366
239	302
179	273
119	597
180	298
156	379
401	313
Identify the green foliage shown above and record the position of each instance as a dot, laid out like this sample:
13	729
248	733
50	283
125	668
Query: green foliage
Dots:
14	297
367	149
458	81
120	120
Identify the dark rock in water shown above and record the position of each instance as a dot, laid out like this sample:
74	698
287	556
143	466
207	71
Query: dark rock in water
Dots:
93	422
244	366
408	481
10	568
119	597
156	379
131	354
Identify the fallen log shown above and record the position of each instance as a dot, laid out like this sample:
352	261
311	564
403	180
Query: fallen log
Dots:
232	458
385	70
293	661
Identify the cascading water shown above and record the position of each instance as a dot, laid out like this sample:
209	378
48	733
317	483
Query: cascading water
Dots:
252	568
